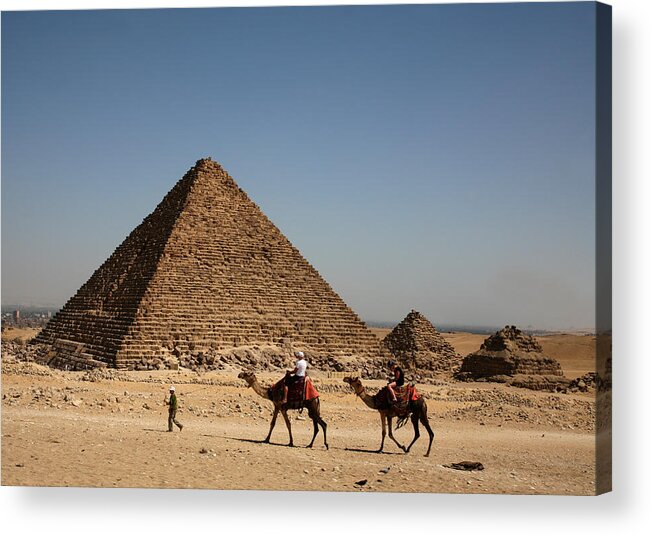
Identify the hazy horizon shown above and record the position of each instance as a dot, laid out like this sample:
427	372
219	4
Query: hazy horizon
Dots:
383	324
429	157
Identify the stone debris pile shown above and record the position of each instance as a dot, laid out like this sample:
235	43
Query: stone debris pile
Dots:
585	383
512	357
17	350
420	349
506	407
205	273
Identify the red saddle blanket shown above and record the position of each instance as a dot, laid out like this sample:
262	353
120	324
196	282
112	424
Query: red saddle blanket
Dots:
310	390
404	394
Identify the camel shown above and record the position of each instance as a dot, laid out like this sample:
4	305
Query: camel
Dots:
416	409
313	407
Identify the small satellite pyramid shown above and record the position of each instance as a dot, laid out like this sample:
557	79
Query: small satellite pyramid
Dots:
418	346
206	269
507	353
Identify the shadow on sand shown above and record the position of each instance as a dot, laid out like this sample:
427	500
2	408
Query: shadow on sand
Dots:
285	445
255	441
359	450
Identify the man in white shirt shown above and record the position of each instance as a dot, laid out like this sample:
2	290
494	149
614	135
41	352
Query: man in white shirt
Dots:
298	373
301	364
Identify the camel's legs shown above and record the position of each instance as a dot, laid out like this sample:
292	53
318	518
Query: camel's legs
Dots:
273	423
414	421
383	417
289	426
316	430
324	426
313	412
389	419
425	422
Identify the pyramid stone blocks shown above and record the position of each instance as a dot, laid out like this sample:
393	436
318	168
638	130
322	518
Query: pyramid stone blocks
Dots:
206	270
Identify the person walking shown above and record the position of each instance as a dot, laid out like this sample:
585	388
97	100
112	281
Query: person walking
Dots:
173	407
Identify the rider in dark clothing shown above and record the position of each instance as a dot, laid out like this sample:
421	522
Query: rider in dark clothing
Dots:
399	379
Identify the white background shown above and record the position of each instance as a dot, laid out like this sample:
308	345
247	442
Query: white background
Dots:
102	511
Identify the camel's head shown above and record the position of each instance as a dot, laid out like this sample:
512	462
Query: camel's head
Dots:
355	382
248	376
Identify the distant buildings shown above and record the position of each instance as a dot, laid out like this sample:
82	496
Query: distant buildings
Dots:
36	318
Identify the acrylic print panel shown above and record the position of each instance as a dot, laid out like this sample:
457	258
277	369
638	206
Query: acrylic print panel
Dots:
342	248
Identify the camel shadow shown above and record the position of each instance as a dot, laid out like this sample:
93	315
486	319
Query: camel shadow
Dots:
252	441
284	445
256	441
360	450
240	439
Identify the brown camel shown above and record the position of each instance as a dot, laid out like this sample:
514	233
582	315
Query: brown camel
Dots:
417	409
275	395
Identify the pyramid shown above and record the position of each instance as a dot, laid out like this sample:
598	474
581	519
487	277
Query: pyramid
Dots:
418	346
511	353
205	270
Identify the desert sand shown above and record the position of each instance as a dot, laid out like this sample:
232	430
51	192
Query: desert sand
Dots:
108	429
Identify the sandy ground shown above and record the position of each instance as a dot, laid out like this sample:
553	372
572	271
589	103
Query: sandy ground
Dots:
19	333
61	430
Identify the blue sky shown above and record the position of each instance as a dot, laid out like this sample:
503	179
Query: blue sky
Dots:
433	157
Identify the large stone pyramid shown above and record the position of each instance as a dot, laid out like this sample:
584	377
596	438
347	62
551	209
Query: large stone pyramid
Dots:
419	347
205	270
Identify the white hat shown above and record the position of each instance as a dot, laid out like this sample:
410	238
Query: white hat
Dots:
172	389
299	354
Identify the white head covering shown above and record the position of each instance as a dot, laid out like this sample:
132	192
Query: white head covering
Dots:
299	354
172	389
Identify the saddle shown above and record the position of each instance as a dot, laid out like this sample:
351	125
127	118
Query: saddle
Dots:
404	395
299	390
296	390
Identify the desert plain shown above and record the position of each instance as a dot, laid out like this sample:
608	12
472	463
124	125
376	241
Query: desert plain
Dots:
108	428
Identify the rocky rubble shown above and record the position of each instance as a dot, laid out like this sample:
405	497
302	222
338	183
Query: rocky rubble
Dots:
549	383
18	350
585	383
266	358
261	358
103	374
500	407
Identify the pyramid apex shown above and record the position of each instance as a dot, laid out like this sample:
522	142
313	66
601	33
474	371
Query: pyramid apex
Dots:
207	162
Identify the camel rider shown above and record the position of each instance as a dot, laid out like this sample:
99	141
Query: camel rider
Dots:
296	374
173	407
398	379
